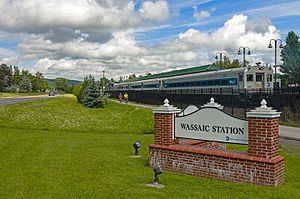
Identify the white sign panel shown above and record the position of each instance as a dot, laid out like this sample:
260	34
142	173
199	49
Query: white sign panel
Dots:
212	124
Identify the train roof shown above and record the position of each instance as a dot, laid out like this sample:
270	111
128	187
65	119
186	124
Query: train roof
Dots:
185	71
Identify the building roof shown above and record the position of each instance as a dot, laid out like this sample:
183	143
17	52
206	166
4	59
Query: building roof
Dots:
197	69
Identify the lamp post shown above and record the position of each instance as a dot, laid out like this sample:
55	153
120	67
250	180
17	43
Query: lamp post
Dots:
244	53
276	41
221	56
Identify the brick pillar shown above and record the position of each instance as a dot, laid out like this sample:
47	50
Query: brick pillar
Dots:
263	134
164	124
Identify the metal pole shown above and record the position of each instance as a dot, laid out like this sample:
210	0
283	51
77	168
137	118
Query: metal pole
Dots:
246	102
275	63
231	100
244	55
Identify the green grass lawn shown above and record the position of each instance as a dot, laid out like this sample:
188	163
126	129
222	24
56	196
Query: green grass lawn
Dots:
55	148
290	123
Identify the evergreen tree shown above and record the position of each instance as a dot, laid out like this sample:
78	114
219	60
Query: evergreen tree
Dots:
5	77
291	57
78	90
25	85
92	95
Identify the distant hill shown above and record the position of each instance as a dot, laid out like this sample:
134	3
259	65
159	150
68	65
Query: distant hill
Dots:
70	81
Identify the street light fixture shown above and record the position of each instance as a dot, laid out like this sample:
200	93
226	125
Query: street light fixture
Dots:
136	145
221	56
276	42
244	53
157	171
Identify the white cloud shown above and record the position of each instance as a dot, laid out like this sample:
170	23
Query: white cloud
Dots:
232	35
201	14
122	55
158	11
36	16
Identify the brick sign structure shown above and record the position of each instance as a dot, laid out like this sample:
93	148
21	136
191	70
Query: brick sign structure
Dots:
260	165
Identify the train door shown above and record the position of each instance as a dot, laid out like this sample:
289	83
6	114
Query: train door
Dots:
241	81
260	80
161	85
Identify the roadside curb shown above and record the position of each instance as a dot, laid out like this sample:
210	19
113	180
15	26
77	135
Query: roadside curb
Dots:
289	138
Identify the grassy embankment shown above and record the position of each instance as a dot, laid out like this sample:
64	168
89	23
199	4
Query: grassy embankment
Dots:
57	149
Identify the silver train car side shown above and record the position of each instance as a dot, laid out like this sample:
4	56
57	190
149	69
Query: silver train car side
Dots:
249	78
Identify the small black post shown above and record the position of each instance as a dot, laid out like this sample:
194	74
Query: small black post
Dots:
245	105
231	100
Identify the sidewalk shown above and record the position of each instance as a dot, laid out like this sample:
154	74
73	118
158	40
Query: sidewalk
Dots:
285	132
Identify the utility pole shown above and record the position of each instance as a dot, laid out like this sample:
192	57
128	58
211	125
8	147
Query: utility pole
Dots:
103	72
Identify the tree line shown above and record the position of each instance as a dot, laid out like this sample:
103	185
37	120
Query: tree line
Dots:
14	79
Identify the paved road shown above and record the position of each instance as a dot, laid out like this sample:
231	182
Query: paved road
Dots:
15	100
288	132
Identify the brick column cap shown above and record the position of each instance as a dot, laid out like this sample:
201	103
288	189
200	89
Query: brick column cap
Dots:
263	111
166	108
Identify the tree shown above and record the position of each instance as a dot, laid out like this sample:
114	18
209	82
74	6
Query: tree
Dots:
291	57
5	77
92	97
16	76
38	82
227	63
25	85
61	84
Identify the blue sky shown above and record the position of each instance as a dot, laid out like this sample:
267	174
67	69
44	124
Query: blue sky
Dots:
182	16
76	38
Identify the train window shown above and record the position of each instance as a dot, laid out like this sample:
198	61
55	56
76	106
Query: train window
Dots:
259	77
204	83
250	78
216	82
210	82
224	82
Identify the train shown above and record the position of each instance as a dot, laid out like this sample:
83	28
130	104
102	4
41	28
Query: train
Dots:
204	78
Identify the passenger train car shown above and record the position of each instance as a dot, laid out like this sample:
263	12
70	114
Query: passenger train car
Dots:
250	78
